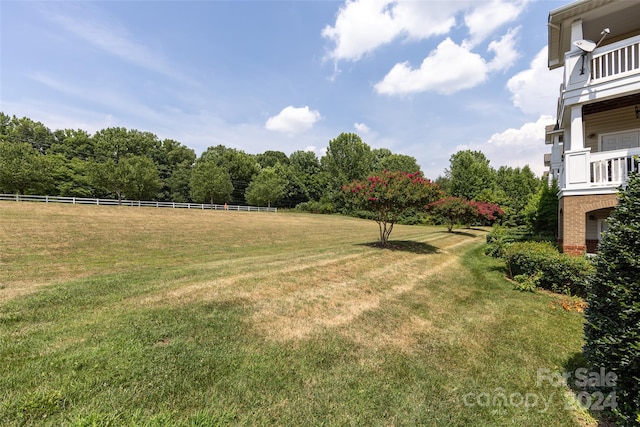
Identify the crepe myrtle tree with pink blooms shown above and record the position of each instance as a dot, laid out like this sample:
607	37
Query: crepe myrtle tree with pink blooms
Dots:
387	195
456	210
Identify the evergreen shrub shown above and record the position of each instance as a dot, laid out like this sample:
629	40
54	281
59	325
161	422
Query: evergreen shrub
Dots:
612	328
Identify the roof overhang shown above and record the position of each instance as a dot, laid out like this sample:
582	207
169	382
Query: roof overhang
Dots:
621	16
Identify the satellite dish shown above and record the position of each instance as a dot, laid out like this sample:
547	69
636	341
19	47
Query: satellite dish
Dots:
588	46
585	45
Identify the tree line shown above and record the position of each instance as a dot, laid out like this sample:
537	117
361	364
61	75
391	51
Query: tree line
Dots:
125	163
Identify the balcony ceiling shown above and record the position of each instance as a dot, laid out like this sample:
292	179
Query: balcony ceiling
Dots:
620	16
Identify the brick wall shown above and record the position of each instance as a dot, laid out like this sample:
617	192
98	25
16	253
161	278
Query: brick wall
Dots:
572	219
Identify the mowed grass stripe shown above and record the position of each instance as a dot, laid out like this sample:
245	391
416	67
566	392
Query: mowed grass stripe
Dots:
282	281
294	320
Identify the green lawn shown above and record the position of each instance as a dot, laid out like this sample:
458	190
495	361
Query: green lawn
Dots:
142	316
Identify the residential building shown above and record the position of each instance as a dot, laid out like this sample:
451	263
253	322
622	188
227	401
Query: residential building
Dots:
597	132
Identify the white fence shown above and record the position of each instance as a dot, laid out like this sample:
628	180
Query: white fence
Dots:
137	203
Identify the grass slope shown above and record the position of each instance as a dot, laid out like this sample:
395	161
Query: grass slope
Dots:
134	316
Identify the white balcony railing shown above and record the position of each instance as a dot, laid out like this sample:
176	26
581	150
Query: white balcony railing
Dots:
612	67
612	168
606	170
616	60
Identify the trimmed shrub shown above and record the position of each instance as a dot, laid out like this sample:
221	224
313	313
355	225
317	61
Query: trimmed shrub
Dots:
557	272
500	237
316	207
612	328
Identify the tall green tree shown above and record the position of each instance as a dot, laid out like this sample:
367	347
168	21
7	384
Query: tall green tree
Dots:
305	162
307	169
266	188
71	177
117	142
518	185
242	167
25	130
210	183
386	160
612	328
132	177
270	158
348	158
141	177
23	169
73	144
541	212
469	173
175	162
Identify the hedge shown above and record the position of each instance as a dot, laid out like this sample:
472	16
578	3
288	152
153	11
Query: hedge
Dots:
551	269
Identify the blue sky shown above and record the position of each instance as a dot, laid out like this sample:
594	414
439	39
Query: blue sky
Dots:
422	78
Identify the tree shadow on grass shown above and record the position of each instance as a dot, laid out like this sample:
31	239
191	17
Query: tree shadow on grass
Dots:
404	246
459	233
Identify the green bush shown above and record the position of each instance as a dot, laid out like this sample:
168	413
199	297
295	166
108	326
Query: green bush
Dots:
612	328
557	272
316	207
500	237
527	283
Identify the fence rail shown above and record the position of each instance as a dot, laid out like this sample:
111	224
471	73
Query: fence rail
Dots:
136	203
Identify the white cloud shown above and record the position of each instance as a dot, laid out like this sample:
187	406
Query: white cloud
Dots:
483	20
450	68
517	147
361	127
293	120
535	90
504	50
362	26
424	19
447	69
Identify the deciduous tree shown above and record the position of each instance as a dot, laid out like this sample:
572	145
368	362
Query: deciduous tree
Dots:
469	173
266	188
348	158
241	167
452	211
22	168
210	183
388	195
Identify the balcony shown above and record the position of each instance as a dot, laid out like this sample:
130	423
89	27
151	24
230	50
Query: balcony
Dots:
598	173
609	71
612	168
616	60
